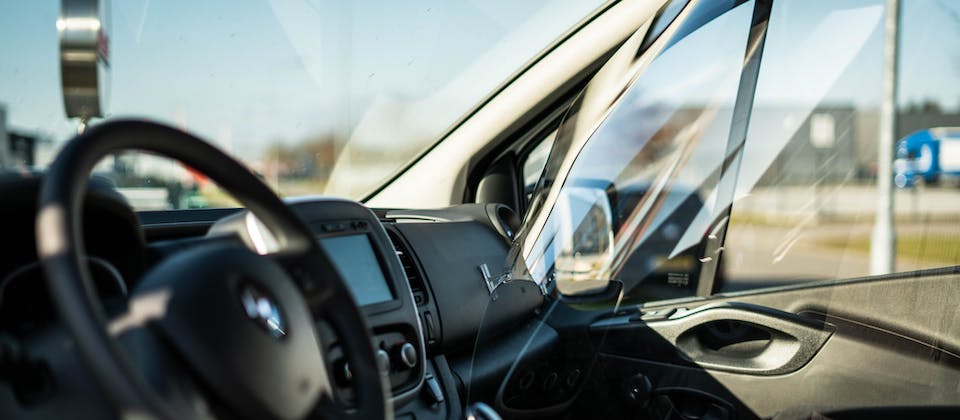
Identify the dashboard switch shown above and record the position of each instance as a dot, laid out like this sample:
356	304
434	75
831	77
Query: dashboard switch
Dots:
334	227
406	354
429	326
432	390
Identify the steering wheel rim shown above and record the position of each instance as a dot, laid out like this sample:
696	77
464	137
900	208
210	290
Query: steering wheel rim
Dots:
60	249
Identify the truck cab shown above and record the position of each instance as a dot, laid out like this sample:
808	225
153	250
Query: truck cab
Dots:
927	155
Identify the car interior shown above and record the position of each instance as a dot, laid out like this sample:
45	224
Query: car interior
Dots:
609	249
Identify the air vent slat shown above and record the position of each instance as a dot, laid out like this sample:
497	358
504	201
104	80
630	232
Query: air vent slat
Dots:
420	295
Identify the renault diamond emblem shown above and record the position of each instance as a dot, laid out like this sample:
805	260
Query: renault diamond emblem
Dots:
263	310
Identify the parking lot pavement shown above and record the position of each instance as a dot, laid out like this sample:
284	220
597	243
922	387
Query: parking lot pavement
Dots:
852	201
792	234
834	251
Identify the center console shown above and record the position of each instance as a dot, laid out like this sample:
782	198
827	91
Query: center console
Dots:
359	248
416	280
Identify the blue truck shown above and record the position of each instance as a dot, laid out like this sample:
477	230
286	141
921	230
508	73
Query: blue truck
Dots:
928	156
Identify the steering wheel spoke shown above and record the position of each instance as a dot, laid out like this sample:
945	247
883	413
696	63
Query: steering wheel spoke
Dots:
162	369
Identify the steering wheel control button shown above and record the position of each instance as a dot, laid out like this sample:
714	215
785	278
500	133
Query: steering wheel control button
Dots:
383	361
407	355
263	310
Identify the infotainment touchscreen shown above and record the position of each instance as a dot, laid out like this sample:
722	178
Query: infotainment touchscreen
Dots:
353	256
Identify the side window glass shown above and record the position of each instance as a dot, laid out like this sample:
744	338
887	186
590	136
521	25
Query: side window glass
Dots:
534	162
632	205
807	192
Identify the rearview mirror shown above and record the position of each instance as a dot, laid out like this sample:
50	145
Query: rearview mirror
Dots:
84	57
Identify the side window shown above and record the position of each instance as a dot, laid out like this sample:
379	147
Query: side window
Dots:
807	192
636	203
534	162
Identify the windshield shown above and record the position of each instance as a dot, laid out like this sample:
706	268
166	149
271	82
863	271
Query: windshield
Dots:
320	97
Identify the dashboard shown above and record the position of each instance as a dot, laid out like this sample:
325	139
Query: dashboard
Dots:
418	276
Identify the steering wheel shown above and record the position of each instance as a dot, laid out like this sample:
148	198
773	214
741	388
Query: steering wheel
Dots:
243	325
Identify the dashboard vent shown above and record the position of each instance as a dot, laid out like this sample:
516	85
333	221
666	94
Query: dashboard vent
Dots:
409	268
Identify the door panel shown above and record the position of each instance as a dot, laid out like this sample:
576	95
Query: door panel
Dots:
730	337
885	343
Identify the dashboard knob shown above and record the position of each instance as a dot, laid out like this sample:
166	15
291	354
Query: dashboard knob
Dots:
383	361
407	355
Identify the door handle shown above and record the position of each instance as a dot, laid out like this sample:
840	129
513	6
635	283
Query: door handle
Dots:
743	338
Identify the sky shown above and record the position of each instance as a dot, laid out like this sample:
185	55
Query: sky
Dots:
247	73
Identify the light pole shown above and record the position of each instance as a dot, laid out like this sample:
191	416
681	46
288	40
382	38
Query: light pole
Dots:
883	243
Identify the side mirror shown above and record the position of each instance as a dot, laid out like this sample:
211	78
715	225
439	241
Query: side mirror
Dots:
84	57
584	241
